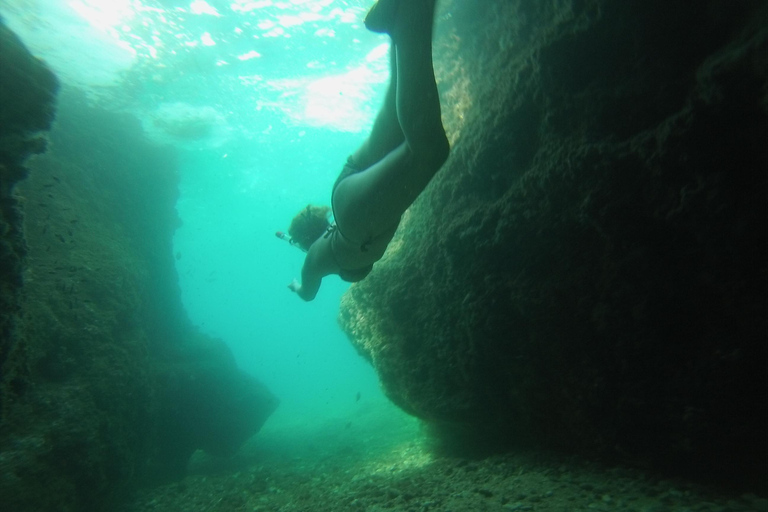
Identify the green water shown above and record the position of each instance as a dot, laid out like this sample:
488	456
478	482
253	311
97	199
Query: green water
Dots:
263	101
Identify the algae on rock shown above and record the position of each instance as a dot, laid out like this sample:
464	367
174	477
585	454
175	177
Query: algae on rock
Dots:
93	328
588	270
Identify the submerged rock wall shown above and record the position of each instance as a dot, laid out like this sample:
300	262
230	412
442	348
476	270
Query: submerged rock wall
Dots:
105	384
99	218
588	270
27	98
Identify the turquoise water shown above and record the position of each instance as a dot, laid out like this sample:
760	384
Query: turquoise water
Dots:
263	101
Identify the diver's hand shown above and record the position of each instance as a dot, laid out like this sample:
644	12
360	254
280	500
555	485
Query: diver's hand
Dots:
295	286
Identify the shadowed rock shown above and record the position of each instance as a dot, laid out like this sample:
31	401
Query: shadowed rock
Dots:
588	271
208	404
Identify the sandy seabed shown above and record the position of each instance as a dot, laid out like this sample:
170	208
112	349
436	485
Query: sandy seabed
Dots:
381	460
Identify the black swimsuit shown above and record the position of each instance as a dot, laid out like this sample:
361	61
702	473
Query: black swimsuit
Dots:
350	275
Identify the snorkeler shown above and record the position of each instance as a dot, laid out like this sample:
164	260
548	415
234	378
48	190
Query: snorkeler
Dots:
405	149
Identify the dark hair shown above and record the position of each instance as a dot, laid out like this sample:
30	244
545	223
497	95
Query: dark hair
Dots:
309	225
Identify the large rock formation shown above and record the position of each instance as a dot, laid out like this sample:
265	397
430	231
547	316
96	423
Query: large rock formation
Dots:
588	271
101	368
207	403
27	98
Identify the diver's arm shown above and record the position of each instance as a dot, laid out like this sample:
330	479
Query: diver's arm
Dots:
310	284
317	265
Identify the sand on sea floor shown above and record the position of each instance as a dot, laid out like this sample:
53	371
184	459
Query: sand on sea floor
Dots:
386	462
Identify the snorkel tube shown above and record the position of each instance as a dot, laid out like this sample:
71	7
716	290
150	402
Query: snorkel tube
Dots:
287	238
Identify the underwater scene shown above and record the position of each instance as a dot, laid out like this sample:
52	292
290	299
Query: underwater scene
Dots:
393	255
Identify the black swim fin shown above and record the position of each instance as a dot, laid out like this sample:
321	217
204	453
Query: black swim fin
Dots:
381	17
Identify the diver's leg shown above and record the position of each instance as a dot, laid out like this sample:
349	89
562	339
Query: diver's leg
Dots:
386	134
372	201
418	103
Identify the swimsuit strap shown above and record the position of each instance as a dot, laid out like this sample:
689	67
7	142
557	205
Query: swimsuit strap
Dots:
334	228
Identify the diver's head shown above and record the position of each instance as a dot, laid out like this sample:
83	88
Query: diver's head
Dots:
309	225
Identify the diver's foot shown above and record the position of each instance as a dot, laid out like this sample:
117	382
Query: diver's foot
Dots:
381	17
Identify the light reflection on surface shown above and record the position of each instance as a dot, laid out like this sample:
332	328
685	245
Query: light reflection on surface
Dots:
157	48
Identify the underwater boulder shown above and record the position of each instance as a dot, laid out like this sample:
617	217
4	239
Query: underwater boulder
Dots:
207	404
588	272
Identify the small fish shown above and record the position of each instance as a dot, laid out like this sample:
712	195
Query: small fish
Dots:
357	397
61	238
74	221
57	180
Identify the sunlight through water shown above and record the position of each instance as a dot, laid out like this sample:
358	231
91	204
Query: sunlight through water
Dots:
102	46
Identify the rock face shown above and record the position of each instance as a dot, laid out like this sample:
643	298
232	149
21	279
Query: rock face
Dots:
208	404
27	97
588	271
100	366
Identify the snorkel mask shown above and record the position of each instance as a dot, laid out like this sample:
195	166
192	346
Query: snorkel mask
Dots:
287	238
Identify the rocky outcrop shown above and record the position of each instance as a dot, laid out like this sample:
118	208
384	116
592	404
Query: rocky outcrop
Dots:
27	97
588	271
98	220
101	368
206	403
